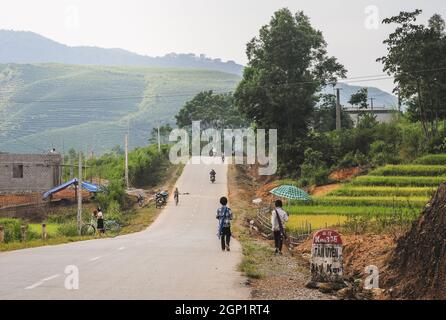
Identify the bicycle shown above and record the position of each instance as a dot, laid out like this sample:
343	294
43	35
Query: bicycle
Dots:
88	229
112	225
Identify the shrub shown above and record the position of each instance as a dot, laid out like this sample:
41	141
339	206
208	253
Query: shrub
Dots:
114	212
67	229
352	159
314	171
382	153
12	229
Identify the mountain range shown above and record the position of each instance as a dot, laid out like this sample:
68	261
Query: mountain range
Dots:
88	98
29	47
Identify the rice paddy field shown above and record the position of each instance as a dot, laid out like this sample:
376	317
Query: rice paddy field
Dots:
391	191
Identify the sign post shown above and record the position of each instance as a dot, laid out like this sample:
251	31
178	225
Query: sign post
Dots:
326	256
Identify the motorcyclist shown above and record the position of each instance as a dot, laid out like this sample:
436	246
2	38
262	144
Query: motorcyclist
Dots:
212	174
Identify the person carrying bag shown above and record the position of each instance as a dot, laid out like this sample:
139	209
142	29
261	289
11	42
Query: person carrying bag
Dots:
278	219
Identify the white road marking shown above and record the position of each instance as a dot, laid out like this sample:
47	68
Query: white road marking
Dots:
34	285
42	281
95	258
51	278
121	248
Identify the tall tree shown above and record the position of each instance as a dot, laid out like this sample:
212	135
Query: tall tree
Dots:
213	110
360	98
416	56
287	65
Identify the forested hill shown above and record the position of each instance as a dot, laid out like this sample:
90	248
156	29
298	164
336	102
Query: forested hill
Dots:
64	106
29	47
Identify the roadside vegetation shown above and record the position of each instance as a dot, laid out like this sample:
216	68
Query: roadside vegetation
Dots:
148	169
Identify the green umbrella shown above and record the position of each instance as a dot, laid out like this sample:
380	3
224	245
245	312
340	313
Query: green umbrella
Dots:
291	192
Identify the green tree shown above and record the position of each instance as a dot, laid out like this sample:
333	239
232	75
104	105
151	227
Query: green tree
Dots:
287	65
213	110
324	117
164	134
415	57
360	98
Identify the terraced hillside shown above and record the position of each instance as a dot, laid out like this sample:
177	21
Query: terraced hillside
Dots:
400	190
90	107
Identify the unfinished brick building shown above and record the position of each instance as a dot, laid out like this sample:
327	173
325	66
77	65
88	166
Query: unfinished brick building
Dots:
29	172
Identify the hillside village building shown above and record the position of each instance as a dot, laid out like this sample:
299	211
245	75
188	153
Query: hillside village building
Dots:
29	172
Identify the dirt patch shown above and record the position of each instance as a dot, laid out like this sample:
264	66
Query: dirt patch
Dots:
12	200
345	174
417	268
272	277
324	190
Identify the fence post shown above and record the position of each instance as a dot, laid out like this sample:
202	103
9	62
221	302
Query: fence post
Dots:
2	234
23	232
44	231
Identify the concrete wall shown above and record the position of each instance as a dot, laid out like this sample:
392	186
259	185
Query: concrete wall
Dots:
382	116
41	172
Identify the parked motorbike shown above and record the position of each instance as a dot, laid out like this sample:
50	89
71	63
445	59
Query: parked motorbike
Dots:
140	201
161	199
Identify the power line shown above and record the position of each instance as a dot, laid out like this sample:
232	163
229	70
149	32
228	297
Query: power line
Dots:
184	94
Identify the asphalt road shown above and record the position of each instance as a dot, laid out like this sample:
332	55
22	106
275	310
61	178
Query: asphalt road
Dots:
177	257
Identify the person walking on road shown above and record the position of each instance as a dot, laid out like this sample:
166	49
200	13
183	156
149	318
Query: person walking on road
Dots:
100	221
176	196
224	216
278	219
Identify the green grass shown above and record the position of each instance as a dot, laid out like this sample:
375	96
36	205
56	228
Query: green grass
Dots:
398	181
432	159
392	192
369	201
344	210
410	170
255	254
354	191
51	228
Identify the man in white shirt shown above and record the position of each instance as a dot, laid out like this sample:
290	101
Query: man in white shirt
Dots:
278	219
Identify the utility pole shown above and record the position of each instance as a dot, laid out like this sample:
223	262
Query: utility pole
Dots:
127	161
79	196
371	103
399	102
159	139
338	109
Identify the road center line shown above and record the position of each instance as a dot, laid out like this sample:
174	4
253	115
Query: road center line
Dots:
51	278
34	285
42	281
95	258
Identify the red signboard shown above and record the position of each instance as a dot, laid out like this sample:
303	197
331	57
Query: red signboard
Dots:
327	237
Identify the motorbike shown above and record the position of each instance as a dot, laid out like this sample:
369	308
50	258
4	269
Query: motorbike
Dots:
161	199
213	178
140	201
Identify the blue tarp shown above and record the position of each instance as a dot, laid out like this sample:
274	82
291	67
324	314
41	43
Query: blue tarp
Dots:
85	185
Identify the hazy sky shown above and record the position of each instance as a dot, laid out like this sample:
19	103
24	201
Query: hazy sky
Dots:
220	29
